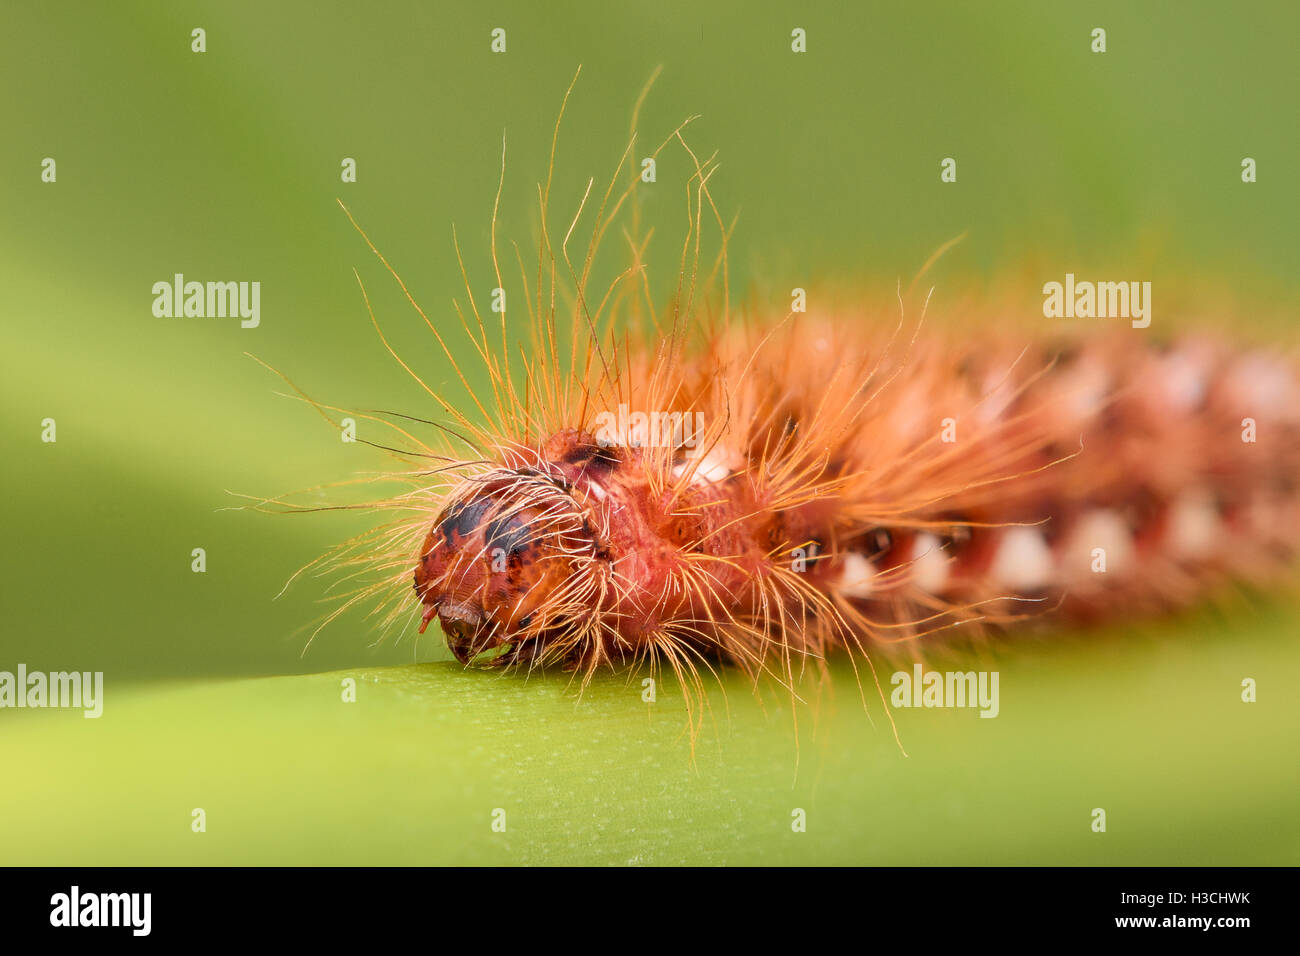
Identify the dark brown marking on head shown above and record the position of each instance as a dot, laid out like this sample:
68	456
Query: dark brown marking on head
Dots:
592	457
463	519
508	533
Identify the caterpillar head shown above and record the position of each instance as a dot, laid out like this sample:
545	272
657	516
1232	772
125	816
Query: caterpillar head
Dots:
506	567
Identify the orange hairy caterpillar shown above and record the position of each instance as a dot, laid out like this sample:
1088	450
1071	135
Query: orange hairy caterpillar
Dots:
674	487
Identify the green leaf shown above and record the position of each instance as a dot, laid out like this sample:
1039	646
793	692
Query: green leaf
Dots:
1151	727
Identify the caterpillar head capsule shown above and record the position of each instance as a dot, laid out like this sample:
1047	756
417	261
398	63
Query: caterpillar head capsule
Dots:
501	565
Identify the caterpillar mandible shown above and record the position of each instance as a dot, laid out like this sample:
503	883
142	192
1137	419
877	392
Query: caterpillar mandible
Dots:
678	485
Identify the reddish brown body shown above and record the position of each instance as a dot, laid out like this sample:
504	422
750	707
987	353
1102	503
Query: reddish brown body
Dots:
829	505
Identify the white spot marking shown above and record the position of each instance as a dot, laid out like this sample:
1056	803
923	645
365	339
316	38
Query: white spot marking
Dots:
717	465
1099	528
1193	526
930	562
1262	384
1185	381
857	577
1023	561
1086	389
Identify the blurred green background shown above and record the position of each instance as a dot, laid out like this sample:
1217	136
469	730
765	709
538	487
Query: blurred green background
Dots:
225	165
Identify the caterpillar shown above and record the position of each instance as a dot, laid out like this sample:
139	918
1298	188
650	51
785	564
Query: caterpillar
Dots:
824	505
696	483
